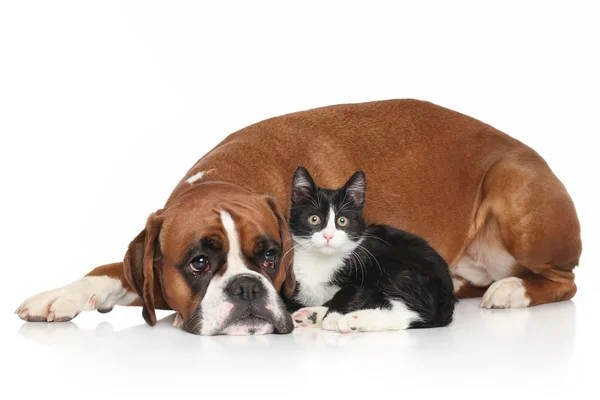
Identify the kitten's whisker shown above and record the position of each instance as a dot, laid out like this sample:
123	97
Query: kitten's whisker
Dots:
371	255
354	262
293	247
363	268
313	201
359	264
344	204
370	236
300	237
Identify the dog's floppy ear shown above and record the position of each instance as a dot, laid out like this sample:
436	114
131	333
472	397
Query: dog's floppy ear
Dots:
139	264
289	284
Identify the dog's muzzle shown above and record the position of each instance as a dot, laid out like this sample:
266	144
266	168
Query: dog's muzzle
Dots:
246	305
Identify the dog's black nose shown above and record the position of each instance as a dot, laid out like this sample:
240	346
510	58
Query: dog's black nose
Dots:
245	287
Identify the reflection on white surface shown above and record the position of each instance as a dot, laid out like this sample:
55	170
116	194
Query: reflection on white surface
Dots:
482	349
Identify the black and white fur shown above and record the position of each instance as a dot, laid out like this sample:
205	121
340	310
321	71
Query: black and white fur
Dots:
354	276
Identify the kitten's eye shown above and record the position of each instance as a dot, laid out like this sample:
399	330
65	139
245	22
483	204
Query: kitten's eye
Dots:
342	221
270	257
314	220
200	264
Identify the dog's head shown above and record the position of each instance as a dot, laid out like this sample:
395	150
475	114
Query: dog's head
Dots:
221	255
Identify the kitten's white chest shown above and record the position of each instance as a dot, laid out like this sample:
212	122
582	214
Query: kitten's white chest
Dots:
313	273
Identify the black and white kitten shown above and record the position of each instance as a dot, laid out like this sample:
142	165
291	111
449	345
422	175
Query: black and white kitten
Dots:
353	276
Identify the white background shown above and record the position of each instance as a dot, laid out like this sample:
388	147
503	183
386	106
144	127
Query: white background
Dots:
105	105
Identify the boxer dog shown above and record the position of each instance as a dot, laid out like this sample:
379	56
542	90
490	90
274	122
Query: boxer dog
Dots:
219	251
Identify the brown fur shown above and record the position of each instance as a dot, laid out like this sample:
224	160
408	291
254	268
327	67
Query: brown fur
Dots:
467	290
432	171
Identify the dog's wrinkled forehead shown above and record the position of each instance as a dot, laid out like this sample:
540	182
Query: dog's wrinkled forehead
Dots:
220	226
199	215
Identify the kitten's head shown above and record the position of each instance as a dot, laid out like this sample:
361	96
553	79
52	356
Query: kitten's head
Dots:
328	221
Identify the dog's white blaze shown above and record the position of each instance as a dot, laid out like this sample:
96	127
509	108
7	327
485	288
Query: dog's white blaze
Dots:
506	293
235	262
87	293
399	317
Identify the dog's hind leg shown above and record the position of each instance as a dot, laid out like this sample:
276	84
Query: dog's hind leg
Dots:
537	226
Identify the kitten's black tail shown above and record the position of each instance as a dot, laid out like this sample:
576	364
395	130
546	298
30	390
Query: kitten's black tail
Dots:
441	317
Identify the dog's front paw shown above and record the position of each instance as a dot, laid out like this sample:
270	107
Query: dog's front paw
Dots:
63	304
55	305
309	317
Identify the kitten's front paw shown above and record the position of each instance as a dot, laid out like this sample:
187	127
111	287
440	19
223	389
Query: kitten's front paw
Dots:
360	321
309	317
330	323
364	321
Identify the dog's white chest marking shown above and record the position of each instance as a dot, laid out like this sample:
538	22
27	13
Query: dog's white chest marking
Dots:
485	261
314	272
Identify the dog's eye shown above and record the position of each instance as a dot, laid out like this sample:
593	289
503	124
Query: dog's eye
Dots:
200	264
270	257
314	220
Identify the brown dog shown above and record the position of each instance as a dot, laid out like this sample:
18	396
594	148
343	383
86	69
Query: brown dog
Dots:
219	251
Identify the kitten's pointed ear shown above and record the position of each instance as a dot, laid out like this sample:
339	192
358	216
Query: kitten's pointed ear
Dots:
356	188
302	186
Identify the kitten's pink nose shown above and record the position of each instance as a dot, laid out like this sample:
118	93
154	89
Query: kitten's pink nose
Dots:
328	236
